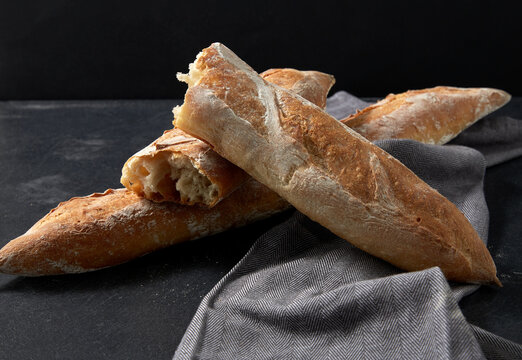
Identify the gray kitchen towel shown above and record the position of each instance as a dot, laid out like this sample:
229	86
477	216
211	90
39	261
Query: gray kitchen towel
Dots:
498	138
303	293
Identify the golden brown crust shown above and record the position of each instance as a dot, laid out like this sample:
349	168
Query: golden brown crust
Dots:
329	172
432	116
311	85
101	230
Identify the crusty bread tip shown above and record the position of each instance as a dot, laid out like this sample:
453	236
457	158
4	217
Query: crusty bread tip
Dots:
431	116
328	171
311	85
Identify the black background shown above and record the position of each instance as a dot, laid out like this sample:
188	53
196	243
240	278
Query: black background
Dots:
62	49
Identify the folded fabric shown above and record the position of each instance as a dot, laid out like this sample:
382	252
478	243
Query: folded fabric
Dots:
498	138
301	292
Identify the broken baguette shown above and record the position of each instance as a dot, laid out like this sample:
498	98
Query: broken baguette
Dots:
180	168
431	116
328	171
93	232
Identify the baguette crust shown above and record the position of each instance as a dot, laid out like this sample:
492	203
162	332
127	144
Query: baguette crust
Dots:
180	168
431	116
312	85
101	230
327	171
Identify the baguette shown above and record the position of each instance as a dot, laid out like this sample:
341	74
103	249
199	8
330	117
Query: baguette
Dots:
328	171
180	168
100	230
431	116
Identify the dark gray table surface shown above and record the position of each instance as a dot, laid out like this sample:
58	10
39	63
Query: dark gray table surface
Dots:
53	150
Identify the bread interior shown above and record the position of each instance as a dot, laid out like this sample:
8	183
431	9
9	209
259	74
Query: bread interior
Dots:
192	78
169	177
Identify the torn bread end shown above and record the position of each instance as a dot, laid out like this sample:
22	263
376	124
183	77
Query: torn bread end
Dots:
194	74
193	77
169	177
